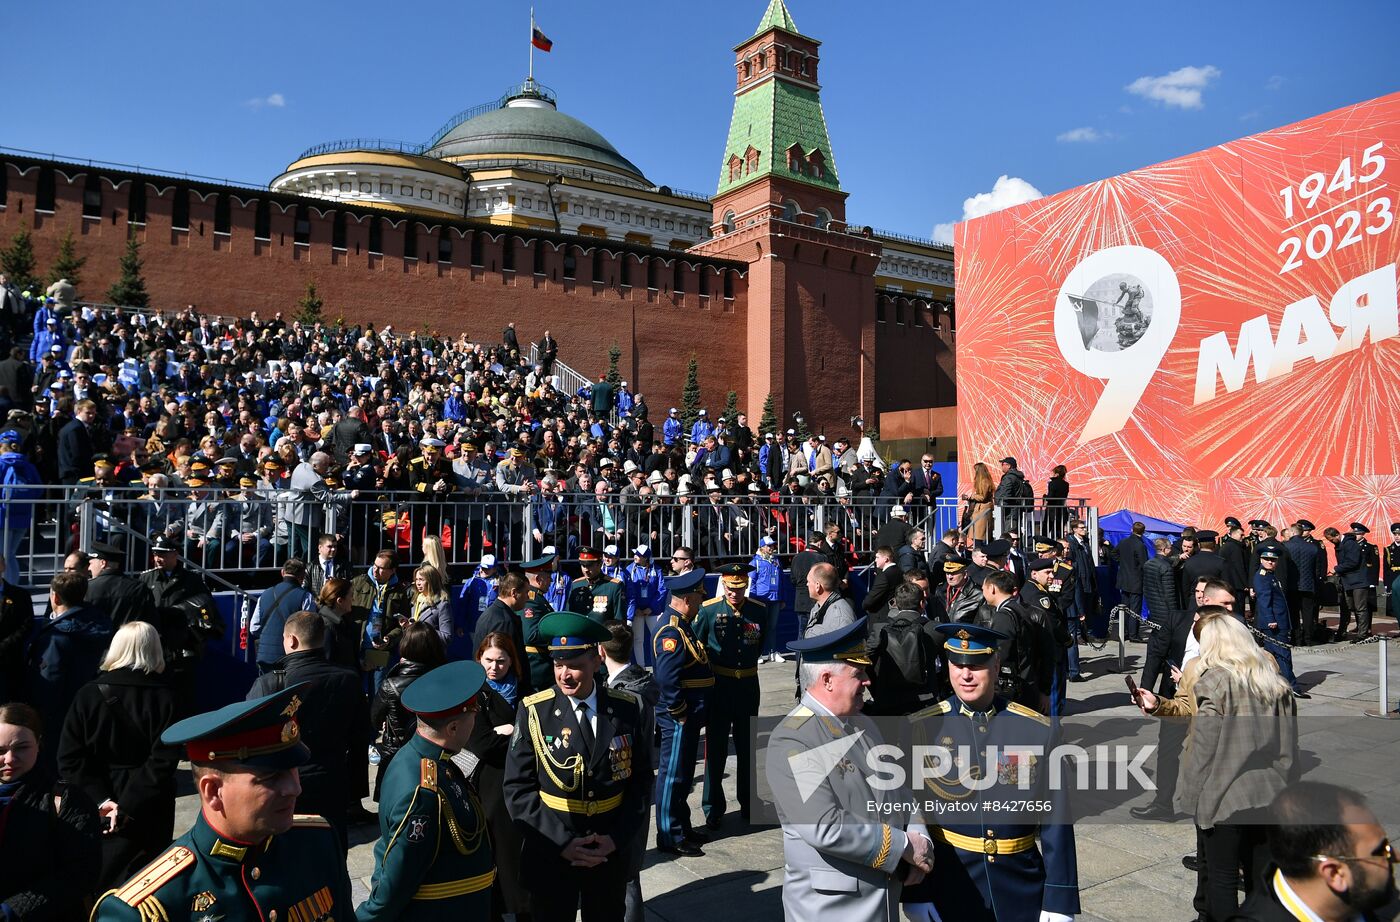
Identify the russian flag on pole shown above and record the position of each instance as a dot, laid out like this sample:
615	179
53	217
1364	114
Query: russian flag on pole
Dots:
539	39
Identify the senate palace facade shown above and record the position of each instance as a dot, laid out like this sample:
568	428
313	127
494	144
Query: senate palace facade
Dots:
514	210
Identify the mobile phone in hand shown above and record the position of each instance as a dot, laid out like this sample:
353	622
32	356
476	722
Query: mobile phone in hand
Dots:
1132	686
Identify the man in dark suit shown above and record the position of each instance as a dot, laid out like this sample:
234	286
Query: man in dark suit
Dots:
885	578
928	483
1236	559
1132	555
802	562
1204	563
75	443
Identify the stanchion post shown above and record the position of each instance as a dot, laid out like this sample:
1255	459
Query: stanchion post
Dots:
1122	641
1383	674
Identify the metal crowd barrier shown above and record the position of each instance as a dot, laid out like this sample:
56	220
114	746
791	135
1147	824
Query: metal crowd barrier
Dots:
243	539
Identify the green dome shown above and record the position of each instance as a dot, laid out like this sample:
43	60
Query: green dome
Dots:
526	129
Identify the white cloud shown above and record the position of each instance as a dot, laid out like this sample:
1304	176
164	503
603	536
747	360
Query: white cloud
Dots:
271	101
1181	88
1084	136
1006	192
1275	82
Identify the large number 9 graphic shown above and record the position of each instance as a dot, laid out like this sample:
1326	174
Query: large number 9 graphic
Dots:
1125	373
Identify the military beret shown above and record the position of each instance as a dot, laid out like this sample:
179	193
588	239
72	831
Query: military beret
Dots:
570	633
261	733
968	644
685	582
845	644
446	691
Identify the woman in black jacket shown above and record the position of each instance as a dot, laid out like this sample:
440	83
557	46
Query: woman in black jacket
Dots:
420	651
50	855
490	740
342	631
1056	494
111	750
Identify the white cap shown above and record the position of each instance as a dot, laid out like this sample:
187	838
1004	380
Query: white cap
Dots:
768	542
771	435
606	462
363	448
792	432
629	466
898	511
610	550
488	561
641	550
727	474
753	488
821	438
704	413
548	549
624	383
673	410
655	477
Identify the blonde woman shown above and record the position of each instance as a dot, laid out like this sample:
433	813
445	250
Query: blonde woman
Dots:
977	517
431	605
110	748
435	556
1241	751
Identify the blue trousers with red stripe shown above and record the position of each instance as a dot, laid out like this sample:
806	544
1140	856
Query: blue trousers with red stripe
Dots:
675	776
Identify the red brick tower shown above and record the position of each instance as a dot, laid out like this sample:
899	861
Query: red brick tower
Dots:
779	207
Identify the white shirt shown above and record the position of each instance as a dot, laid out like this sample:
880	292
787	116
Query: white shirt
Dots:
1193	649
1291	902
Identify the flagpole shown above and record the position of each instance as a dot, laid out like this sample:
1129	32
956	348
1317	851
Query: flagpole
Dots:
532	44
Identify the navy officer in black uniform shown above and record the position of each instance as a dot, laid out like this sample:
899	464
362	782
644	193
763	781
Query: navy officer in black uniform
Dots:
986	865
684	680
577	778
249	855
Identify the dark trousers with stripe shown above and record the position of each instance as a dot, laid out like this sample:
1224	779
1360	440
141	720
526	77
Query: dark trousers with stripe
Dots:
727	714
675	776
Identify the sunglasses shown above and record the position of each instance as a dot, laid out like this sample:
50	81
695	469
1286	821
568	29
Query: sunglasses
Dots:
1384	851
674	557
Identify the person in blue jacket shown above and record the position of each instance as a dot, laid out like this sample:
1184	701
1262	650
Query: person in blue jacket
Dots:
1271	616
646	590
17	493
671	429
475	594
701	429
766	588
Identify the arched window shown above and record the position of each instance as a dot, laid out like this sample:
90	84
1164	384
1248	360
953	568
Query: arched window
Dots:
678	277
539	257
445	247
301	230
223	217
747	70
46	195
476	248
729	220
823	218
791	210
338	231
508	254
410	241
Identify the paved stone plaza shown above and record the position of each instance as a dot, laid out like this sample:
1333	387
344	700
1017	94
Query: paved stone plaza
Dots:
1126	872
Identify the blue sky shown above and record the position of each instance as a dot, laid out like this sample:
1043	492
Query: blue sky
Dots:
929	104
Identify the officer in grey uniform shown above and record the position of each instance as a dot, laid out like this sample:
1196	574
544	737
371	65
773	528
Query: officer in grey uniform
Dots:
843	859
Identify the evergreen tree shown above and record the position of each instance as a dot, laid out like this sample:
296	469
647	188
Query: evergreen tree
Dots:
731	407
309	305
769	421
613	377
17	262
68	264
799	423
690	394
130	289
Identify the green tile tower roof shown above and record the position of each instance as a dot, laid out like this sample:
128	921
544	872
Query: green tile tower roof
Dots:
777	17
774	115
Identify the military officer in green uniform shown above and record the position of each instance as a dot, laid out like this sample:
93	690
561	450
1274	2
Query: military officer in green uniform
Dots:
731	630
683	680
577	778
433	859
602	598
539	573
249	855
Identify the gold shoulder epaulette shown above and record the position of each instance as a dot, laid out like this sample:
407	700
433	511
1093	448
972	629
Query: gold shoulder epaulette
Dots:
1016	707
942	707
539	696
428	778
798	717
309	821
152	877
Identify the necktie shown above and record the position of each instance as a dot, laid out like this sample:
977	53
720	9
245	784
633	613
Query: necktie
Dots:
585	728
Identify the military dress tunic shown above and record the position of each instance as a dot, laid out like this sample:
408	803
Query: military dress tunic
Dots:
433	860
684	680
604	600
986	865
298	876
733	640
557	791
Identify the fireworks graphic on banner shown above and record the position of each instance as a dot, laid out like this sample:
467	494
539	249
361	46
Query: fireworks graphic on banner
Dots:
1278	393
